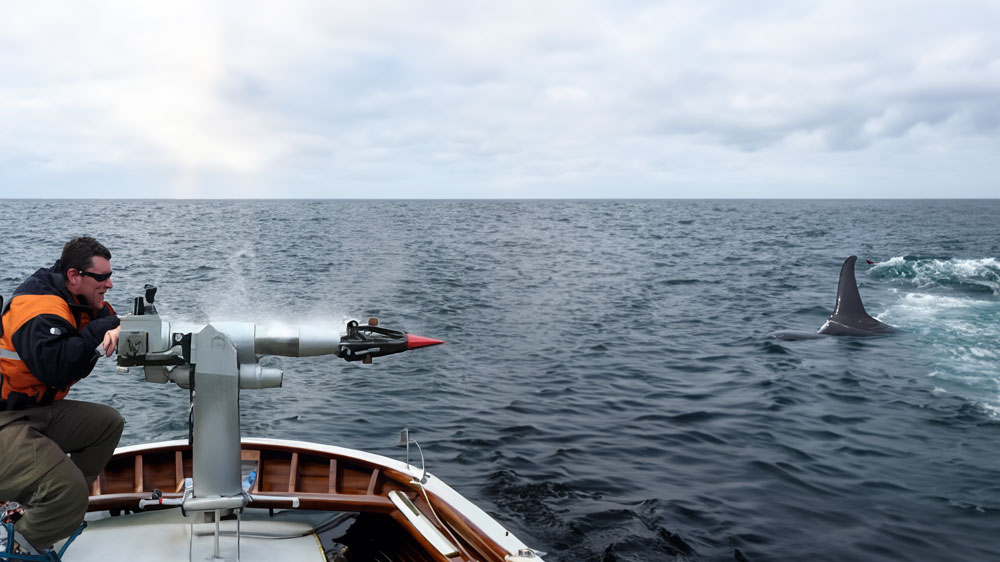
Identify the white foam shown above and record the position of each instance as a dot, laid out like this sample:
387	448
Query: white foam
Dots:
932	273
958	336
983	353
992	409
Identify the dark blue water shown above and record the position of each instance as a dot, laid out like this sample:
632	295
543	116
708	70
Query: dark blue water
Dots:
609	390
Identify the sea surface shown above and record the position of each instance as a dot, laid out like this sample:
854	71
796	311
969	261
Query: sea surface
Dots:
609	389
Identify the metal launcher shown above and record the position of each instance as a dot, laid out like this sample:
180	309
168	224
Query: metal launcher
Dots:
215	361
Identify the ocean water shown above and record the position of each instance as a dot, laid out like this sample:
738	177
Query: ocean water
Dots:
609	389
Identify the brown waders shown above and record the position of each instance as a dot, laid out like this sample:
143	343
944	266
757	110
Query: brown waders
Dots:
36	472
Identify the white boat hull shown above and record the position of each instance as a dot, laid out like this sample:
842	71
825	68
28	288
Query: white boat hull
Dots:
335	490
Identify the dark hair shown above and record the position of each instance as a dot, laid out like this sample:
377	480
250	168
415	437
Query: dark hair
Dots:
79	253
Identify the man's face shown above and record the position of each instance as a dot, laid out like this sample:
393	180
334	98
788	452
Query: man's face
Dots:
83	285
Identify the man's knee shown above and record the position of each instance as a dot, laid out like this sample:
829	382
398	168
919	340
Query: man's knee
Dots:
110	416
116	423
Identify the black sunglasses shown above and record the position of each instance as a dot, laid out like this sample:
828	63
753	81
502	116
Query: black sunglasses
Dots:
99	277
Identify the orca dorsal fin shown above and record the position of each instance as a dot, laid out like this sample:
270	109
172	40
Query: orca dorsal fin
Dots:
849	315
848	297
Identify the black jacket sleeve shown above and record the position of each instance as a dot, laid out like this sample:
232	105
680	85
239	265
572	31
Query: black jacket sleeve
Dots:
55	352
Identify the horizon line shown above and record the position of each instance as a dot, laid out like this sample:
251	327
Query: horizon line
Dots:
762	198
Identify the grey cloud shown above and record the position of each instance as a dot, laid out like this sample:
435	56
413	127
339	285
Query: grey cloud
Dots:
554	94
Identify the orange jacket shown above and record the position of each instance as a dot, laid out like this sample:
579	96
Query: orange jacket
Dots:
49	341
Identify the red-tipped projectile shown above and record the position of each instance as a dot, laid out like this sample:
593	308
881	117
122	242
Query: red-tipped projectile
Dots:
414	341
362	343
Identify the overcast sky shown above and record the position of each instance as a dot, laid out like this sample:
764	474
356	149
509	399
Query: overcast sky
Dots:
503	99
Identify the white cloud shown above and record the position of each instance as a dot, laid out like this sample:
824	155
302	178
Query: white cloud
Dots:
508	99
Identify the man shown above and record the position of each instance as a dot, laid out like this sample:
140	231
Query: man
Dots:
54	328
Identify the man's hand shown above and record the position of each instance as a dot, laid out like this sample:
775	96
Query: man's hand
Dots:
111	340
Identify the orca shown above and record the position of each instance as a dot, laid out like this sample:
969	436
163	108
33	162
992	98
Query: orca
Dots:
849	316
